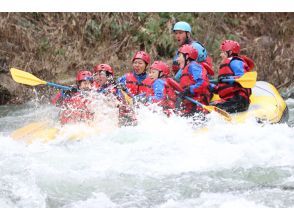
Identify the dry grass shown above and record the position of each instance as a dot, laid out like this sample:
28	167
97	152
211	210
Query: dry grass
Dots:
53	46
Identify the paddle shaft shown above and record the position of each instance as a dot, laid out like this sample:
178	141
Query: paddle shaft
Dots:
248	80
58	86
192	100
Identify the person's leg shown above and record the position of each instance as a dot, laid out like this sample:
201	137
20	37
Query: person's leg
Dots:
233	105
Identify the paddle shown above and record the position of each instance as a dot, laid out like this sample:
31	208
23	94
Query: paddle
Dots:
248	80
23	132
209	108
127	98
26	78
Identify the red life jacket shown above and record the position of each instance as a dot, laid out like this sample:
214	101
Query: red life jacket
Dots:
226	90
75	109
137	88
169	100
56	99
202	93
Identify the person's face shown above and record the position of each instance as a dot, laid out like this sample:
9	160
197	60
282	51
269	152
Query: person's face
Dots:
85	85
139	66
180	36
181	60
100	77
223	55
154	74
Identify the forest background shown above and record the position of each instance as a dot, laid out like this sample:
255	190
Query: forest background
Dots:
54	46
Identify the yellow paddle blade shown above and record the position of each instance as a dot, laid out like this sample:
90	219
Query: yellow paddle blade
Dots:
28	130
248	80
223	113
26	78
128	99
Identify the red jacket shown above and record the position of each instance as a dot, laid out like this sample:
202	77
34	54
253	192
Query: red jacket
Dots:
201	83
169	96
137	88
226	90
76	109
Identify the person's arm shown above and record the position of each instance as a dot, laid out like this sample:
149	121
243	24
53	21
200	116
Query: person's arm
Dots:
158	89
238	68
178	75
196	71
122	80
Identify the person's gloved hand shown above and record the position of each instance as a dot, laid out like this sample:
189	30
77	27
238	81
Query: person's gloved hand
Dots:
71	91
230	80
186	92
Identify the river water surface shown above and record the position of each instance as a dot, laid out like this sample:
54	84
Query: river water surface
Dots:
159	163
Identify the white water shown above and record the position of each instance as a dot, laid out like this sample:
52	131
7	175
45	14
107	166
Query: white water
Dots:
159	163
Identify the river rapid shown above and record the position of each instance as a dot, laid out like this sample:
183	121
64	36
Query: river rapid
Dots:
161	163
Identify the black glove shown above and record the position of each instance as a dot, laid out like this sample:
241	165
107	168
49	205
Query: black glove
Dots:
186	92
70	91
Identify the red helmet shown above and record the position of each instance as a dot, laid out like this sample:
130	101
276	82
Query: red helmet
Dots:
189	50
84	75
143	56
161	66
104	67
230	45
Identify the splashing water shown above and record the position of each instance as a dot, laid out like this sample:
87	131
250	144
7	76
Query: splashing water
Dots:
162	162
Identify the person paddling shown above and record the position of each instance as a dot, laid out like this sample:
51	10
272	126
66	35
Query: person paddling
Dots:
135	83
76	105
193	80
162	92
234	98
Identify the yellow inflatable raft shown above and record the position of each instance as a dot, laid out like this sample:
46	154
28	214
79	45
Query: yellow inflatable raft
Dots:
266	105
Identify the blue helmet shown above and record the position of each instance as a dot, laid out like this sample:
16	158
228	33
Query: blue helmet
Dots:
182	26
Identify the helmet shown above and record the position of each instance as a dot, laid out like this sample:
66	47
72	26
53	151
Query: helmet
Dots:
143	56
104	67
161	66
84	75
182	26
230	45
189	50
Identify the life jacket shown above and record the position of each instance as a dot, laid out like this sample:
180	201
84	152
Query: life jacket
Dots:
226	90
76	109
202	93
55	100
169	100
208	67
137	88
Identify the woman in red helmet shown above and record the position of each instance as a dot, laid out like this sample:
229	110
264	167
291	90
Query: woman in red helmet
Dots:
103	76
137	81
234	98
193	80
75	107
162	93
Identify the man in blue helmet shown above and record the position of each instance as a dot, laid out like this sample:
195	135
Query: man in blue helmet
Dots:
182	32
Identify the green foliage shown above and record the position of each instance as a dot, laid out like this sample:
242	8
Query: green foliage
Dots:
93	30
59	52
44	46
